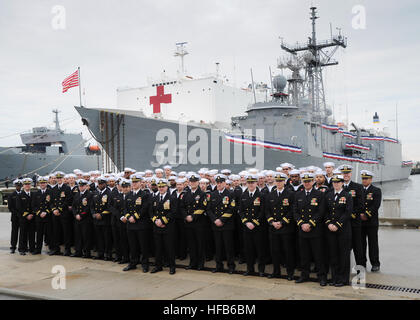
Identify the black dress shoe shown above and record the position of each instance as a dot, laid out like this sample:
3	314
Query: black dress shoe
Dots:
323	282
301	280
130	267
273	275
332	283
231	271
156	269
12	251
289	277
375	268
339	284
116	259
87	256
261	274
199	268
172	270
22	253
67	253
145	269
98	258
107	259
217	270
76	255
190	268
247	273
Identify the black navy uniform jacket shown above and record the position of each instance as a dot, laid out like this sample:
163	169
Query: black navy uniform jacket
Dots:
356	192
322	188
222	206
279	208
291	187
24	205
252	209
178	200
372	198
62	199
267	191
11	202
195	205
137	205
102	205
83	205
164	210
339	210
310	209
42	202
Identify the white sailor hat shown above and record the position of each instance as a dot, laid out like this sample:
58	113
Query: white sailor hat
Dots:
129	170
27	181
158	170
213	172
329	164
303	169
17	181
234	177
228	181
171	177
102	179
71	175
287	165
112	178
226	172
243	174
204	180
270	173
174	173
96	172
253	171
182	174
85	174
307	176
92	179
82	182
148	171
167	167
180	180
220	177
294	172
260	175
77	171
279	169
366	174
320	173
141	173
202	171
345	168
280	176
311	168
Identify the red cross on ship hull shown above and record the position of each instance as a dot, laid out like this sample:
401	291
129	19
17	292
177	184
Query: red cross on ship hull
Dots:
161	97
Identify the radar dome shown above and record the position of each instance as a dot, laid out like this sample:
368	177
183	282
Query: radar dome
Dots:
279	82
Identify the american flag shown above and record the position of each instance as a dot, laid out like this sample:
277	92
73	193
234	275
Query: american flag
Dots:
71	81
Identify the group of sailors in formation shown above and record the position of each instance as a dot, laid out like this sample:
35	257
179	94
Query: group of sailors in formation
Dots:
288	217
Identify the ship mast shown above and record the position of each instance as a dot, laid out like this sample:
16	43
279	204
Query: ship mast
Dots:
181	52
316	58
57	123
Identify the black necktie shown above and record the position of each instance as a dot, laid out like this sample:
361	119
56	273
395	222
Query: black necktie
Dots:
161	198
251	194
335	198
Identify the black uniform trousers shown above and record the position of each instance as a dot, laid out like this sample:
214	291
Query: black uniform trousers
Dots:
311	247
254	242
224	239
62	231
210	247
103	240
164	243
82	236
339	246
239	238
14	236
180	239
196	240
43	232
27	234
286	243
356	239
116	236
139	243
123	236
370	233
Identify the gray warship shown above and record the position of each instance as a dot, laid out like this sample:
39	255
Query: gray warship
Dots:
46	150
294	125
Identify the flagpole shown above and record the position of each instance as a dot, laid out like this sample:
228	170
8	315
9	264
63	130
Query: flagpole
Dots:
80	87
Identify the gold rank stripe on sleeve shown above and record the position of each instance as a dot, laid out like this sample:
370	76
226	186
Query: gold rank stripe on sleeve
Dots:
199	211
368	213
353	216
328	221
244	220
165	220
340	224
154	218
300	222
136	215
312	222
226	215
25	214
269	219
286	220
127	215
256	222
106	212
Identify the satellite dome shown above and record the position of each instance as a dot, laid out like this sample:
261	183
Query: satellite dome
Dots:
279	82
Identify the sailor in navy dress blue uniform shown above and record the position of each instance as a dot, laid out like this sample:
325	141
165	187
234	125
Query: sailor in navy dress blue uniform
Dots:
26	218
162	213
251	212
309	211
338	229
372	197
356	192
14	218
221	212
282	230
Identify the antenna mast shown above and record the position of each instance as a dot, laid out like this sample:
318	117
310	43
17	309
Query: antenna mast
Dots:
181	52
57	123
316	58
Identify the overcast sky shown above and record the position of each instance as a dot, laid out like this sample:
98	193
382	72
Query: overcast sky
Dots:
121	43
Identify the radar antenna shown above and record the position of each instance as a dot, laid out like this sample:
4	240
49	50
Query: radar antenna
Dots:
181	52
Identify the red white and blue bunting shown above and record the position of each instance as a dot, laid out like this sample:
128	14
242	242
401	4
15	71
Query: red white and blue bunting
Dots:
373	138
407	163
346	158
333	127
357	146
265	144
